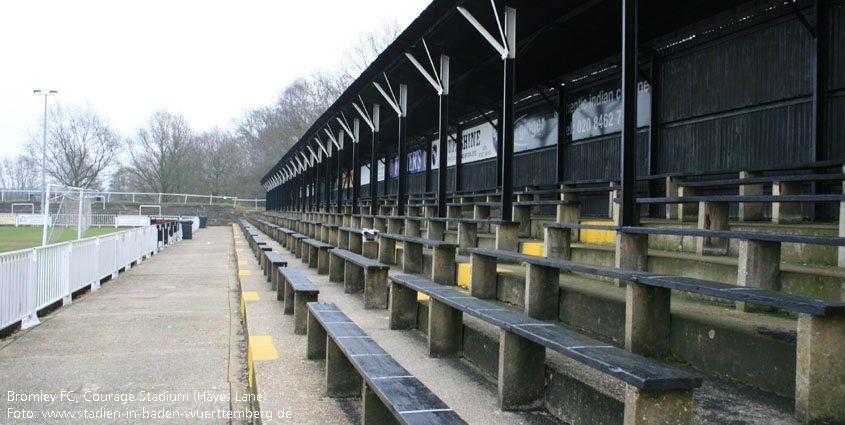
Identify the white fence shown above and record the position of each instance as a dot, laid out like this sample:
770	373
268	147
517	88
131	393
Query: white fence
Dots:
151	197
32	279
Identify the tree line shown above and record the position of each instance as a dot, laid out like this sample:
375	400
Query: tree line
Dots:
166	155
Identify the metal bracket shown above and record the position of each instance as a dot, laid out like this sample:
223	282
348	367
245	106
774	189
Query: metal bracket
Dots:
390	101
499	46
801	18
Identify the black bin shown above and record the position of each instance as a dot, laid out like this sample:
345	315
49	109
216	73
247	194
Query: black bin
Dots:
203	222
187	231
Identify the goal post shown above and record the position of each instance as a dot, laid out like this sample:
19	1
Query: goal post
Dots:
71	218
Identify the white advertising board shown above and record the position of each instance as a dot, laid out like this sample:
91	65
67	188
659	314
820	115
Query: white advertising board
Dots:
479	143
132	220
31	220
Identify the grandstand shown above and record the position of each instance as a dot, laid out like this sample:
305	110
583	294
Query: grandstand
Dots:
650	190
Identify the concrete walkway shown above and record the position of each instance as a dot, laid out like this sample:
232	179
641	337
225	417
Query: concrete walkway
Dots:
157	345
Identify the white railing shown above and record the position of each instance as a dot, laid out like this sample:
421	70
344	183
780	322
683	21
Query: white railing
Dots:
32	279
104	197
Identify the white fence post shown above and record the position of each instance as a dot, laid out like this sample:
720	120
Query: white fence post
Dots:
95	285
66	255
31	318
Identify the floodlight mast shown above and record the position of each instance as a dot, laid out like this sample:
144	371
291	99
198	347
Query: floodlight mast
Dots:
38	92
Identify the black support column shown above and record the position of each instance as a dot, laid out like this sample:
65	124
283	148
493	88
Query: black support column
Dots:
428	159
403	150
628	213
339	207
443	129
374	163
459	152
356	164
564	121
507	116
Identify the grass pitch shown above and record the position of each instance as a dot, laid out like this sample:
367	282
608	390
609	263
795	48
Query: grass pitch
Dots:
15	238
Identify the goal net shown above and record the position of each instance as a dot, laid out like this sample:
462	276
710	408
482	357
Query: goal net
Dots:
70	209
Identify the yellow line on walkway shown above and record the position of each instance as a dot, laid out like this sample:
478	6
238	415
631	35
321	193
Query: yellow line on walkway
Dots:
244	273
242	262
239	249
250	296
262	347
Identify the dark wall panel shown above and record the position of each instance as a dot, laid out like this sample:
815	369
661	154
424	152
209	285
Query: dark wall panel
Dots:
765	64
480	175
598	159
836	26
766	138
535	167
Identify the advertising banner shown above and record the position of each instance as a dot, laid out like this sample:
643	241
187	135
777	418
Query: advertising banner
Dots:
132	220
599	111
535	128
31	220
393	167
365	175
479	143
416	162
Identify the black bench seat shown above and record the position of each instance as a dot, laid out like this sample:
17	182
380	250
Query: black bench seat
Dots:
648	316
316	254
733	234
764	180
357	366
295	246
443	257
521	377
359	273
352	239
295	291
541	203
739	198
272	263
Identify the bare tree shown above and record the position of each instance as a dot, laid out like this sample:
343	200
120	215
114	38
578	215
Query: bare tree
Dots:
18	173
220	162
366	49
81	145
161	153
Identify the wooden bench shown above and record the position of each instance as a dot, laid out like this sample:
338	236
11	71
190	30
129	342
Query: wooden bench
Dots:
443	257
522	212
310	228
759	259
653	387
360	274
316	254
328	233
558	237
284	235
712	211
821	322
271	267
507	232
352	239
357	366
296	244
295	291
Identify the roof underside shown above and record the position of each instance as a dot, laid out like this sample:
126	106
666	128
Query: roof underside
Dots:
556	40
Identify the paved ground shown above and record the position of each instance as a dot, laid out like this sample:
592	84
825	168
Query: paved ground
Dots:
153	346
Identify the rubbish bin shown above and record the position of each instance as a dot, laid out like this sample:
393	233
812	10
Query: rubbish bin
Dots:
203	222
187	230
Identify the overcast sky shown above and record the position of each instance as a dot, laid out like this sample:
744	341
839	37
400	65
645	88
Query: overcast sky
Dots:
209	60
